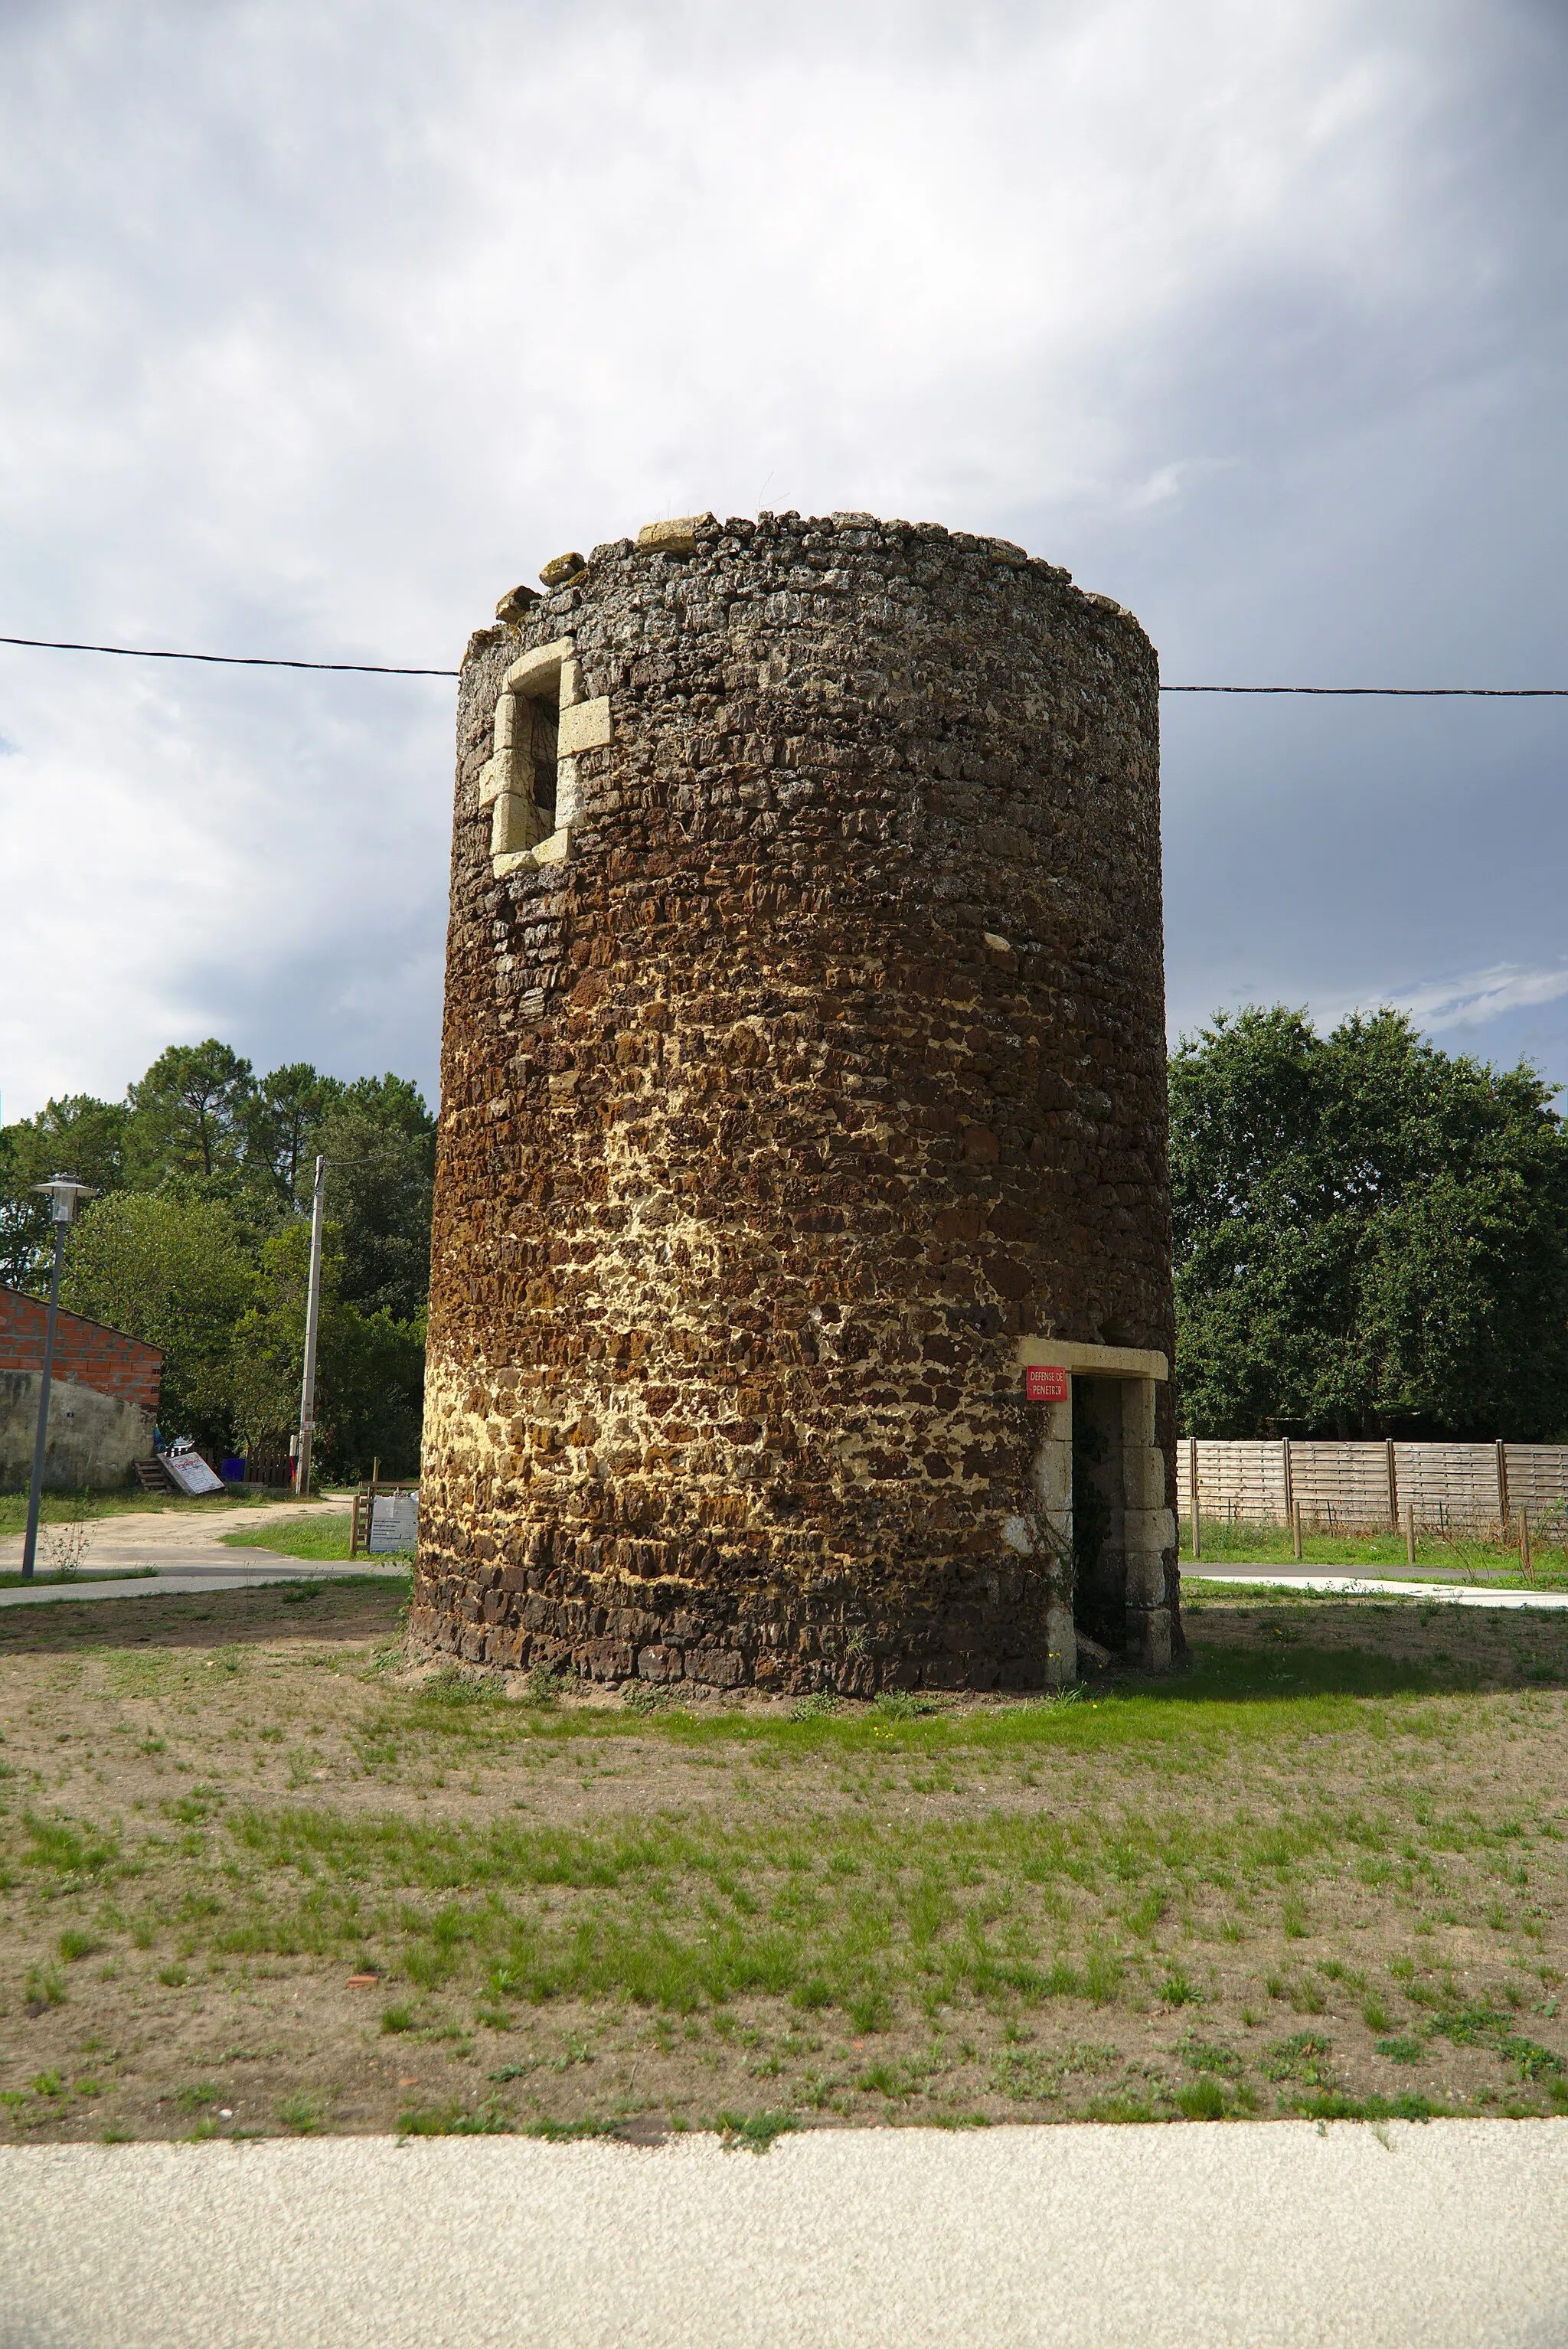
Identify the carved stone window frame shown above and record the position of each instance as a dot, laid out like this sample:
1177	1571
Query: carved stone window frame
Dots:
521	833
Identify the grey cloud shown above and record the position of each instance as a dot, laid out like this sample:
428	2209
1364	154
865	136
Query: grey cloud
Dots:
326	325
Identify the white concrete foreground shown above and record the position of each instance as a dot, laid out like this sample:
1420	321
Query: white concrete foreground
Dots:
1351	1586
1453	2235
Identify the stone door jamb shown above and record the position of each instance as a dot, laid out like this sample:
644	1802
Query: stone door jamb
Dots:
1147	1526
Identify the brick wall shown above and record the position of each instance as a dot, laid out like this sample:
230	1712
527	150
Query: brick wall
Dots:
87	1353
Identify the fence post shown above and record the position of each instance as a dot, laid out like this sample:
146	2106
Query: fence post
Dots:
1289	1488
1192	1486
1526	1566
1393	1491
1295	1529
1502	1493
1410	1534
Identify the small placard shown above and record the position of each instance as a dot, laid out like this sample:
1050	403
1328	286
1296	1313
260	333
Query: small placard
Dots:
394	1524
1045	1382
192	1472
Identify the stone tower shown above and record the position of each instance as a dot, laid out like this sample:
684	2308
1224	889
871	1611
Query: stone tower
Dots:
801	1307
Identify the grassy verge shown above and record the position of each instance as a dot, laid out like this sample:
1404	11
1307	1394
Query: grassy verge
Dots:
1384	1553
256	1879
325	1537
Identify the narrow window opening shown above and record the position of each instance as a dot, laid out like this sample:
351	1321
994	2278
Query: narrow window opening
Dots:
546	752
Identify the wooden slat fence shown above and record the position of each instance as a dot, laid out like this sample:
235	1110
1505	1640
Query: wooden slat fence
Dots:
1477	1488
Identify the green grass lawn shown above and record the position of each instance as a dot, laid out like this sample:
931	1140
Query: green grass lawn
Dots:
1383	1554
323	1538
247	1863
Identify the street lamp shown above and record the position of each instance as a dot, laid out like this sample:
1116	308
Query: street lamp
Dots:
311	1323
62	1191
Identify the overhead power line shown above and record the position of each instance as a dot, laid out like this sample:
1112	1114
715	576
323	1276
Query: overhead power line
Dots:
1400	692
225	661
385	668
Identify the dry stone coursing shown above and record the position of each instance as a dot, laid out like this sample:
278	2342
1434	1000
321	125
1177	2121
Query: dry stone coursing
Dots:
807	1057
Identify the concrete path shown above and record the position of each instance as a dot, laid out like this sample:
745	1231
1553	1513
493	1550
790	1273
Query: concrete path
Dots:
185	1549
1453	2235
1352	1586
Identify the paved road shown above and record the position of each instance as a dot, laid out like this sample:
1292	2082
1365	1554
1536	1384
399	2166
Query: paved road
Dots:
184	1547
1239	2236
1354	1586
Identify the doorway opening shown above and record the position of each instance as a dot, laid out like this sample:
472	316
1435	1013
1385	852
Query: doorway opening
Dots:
1099	1502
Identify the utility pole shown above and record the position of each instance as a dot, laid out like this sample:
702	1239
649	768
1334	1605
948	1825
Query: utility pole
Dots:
312	1318
62	1191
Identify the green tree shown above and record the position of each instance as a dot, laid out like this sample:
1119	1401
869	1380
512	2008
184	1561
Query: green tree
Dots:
371	1369
379	1140
1371	1236
174	1271
187	1117
77	1136
280	1121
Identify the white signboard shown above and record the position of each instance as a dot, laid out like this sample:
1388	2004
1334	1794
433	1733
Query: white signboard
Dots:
394	1523
192	1474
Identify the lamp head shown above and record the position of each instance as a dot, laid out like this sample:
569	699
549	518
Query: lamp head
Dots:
63	1191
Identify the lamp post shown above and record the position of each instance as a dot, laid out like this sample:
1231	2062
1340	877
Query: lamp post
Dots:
62	1191
312	1322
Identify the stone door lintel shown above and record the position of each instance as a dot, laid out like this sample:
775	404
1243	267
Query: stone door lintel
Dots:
1091	1362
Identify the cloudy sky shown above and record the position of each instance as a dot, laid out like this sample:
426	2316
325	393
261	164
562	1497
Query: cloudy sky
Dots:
325	322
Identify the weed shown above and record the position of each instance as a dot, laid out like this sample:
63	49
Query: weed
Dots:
642	1697
546	1688
396	2018
1375	2015
1204	2055
1401	2051
820	1705
1203	2100
454	2120
755	2131
45	1986
75	1944
302	2112
1302	2057
1179	1990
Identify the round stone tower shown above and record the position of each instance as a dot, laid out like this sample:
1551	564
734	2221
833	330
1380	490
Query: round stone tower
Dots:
800	1308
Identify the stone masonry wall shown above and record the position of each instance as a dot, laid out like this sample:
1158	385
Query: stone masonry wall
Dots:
817	1059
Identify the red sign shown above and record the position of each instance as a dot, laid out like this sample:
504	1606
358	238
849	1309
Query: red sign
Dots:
1044	1382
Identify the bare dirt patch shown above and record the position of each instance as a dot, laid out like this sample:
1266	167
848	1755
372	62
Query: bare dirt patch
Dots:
257	1877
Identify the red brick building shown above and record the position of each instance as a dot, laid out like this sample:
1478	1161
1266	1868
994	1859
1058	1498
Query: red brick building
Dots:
87	1353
